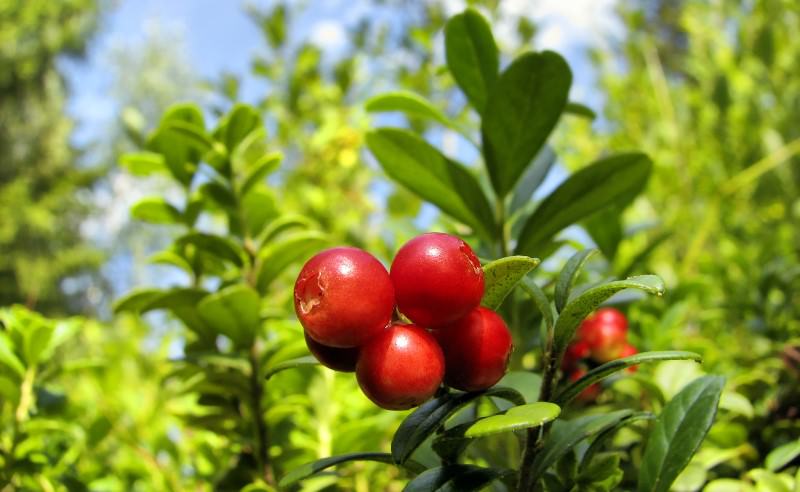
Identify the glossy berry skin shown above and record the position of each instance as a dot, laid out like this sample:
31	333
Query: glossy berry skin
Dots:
338	359
401	367
437	279
591	392
343	296
476	350
576	352
627	351
606	333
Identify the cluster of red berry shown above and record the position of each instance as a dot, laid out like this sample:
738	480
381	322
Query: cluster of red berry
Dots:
602	337
345	300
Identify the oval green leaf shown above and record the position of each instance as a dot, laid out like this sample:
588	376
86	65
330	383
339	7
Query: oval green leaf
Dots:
579	109
472	57
605	182
415	164
155	210
678	432
143	163
523	108
431	415
609	368
315	467
568	274
409	103
233	312
501	276
516	418
219	246
782	456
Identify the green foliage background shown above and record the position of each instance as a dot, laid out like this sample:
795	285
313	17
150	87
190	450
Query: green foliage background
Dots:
710	91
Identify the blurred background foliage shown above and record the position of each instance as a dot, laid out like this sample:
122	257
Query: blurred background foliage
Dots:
710	90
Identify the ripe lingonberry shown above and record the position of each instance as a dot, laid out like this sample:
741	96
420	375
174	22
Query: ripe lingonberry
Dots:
437	279
338	359
576	352
605	332
401	367
343	296
476	350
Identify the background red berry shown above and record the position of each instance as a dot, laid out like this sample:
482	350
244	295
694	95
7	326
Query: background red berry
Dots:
606	334
343	296
401	367
338	359
476	350
437	279
576	352
627	351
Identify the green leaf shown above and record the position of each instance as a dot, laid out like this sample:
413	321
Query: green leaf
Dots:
450	444
523	108
678	432
191	135
315	467
171	258
414	163
539	298
728	485
609	368
605	229
568	275
143	163
156	211
137	300
454	478
180	158
598	441
242	120
259	170
516	418
564	435
278	255
580	307
605	182
472	56
782	456
306	360
579	109
233	312
221	247
532	178
282	224
431	415
7	356
501	276
409	103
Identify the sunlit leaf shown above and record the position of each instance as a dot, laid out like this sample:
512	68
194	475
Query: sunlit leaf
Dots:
501	276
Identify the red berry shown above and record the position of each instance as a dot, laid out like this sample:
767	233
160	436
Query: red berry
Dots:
476	350
605	332
437	279
627	351
611	316
401	367
343	296
576	352
338	359
591	392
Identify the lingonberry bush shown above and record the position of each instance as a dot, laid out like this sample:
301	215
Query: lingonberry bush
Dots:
441	444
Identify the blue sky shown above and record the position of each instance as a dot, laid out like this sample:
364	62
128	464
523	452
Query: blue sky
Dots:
219	36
